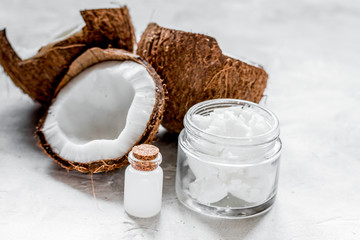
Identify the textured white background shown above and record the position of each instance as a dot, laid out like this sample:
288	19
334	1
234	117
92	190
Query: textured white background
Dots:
311	50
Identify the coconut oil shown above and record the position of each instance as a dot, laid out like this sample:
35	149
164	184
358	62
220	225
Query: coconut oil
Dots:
143	182
228	158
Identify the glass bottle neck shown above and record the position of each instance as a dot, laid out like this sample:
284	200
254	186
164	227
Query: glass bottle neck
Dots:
144	165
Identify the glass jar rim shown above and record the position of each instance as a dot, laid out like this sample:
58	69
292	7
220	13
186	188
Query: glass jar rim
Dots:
264	138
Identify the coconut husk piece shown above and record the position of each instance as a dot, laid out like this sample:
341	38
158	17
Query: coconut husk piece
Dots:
194	69
86	60
39	75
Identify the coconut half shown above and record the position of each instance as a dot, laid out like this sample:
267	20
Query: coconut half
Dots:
109	101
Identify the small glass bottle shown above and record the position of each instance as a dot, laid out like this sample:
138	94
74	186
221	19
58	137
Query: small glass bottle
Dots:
143	182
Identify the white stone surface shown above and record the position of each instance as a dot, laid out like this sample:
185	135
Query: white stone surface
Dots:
311	50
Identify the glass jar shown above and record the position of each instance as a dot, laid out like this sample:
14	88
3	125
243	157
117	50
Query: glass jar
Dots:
228	177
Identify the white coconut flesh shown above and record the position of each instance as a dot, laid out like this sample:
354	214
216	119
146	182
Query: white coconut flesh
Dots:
101	113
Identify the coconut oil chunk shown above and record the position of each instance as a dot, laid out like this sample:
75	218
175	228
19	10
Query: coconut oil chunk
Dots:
214	183
232	122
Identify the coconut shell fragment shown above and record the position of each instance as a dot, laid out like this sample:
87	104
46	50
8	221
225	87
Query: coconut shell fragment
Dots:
194	69
88	59
39	75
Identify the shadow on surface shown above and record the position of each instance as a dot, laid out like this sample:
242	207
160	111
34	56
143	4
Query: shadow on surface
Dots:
19	121
226	228
143	226
107	186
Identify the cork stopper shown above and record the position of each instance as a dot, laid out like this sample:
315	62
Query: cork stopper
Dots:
144	156
145	152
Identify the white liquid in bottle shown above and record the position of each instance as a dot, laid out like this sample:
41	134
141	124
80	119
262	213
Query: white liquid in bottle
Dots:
143	182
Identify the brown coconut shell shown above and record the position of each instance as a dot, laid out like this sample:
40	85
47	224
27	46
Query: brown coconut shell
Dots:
86	60
194	69
39	75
